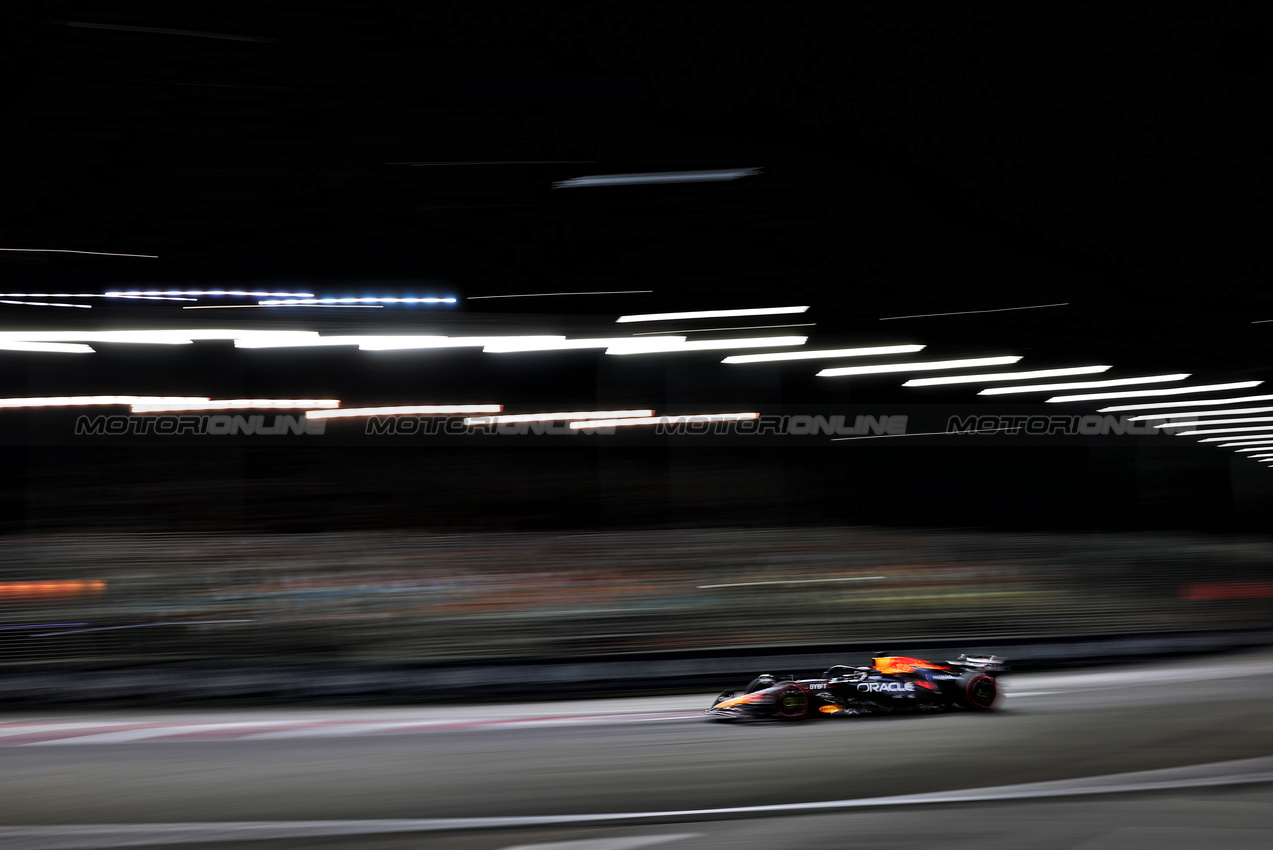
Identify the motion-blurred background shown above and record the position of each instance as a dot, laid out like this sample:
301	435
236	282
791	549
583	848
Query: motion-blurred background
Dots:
398	596
1066	190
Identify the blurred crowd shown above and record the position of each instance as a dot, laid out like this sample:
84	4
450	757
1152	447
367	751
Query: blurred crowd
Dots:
381	596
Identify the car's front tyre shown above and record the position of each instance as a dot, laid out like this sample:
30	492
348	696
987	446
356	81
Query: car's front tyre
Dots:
791	703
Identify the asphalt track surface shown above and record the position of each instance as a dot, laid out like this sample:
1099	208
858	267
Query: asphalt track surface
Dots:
367	768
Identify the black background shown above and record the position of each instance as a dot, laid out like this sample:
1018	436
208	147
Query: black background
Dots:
916	159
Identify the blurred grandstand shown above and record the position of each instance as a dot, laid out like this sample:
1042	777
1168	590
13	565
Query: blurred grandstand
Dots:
392	597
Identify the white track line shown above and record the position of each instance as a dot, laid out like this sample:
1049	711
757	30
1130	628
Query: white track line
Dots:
339	729
37	728
62	734
128	735
1241	772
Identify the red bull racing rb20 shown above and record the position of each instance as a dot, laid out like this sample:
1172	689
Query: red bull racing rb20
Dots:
894	683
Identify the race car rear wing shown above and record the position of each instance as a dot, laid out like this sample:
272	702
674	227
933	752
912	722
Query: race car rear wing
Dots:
989	663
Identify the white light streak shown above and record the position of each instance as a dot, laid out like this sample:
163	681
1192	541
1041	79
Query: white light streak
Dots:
974	312
792	581
1005	376
712	314
182	336
512	418
250	338
41	340
1225	430
242	338
405	410
671	419
93	400
237	293
1080	385
419	342
69	251
516	344
404	342
675	345
1239	441
1193	403
506	344
45	304
1239	385
310	339
139	296
631	345
236	404
266	306
739	328
173	337
1214	422
53	295
553	294
224	307
654	177
85	295
280	339
306	302
1198	413
824	354
45	347
149	298
885	368
1264	448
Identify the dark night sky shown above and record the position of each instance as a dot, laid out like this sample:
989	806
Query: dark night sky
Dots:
915	159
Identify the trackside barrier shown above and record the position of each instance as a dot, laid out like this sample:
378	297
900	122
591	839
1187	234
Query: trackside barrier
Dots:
514	679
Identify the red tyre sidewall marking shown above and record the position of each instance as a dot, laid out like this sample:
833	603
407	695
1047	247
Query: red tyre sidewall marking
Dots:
804	711
972	701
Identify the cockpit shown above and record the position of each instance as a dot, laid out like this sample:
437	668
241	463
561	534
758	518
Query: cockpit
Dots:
845	673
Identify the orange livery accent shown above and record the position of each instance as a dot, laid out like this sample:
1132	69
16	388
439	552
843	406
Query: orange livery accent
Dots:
904	664
745	699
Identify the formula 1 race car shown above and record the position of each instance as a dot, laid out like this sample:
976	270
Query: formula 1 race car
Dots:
894	683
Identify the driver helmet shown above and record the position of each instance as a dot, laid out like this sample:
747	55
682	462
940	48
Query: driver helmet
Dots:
764	680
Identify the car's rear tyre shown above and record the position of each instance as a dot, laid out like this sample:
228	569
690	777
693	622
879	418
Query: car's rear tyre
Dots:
791	703
981	692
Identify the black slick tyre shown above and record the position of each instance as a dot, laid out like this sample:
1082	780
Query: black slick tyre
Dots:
791	703
981	692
